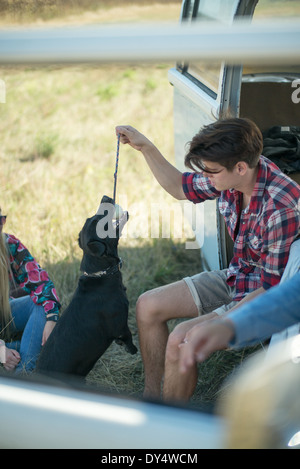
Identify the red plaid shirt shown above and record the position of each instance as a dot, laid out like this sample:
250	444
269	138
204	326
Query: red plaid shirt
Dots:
263	232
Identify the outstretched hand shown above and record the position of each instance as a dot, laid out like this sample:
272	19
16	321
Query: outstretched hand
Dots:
167	175
202	340
132	136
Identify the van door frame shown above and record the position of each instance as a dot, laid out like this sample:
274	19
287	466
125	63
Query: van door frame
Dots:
229	104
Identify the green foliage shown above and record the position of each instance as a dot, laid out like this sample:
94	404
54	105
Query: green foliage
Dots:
43	147
107	92
30	10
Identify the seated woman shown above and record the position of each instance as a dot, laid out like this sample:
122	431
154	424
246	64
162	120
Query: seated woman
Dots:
29	305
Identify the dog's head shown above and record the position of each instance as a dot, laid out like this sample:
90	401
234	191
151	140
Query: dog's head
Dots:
100	235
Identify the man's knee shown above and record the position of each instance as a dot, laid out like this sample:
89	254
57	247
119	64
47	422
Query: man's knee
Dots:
146	308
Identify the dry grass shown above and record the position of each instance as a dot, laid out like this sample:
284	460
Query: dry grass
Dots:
57	158
86	11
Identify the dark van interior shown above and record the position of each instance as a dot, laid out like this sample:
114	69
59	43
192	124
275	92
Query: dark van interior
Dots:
267	99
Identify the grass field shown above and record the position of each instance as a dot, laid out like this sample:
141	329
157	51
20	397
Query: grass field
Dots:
86	11
57	154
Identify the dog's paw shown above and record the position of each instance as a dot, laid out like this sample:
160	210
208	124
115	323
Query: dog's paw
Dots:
131	349
129	346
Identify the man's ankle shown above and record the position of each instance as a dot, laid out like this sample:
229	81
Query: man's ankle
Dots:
152	393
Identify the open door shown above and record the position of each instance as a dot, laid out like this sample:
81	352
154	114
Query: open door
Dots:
201	92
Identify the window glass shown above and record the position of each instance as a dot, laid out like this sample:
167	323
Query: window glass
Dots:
283	9
217	10
208	74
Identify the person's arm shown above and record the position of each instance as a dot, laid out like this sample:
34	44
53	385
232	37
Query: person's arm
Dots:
215	334
268	314
49	326
169	177
248	324
32	278
249	297
204	339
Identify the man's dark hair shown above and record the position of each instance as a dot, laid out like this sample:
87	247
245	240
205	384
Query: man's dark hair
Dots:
226	141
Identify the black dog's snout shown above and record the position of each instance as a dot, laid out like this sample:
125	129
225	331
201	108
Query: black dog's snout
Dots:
107	200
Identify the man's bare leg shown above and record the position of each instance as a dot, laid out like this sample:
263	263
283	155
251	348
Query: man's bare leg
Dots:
154	309
176	386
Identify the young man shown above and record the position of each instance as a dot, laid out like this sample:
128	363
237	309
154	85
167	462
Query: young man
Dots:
260	207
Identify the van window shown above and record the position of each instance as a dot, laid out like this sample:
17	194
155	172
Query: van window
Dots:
216	10
270	9
206	75
276	9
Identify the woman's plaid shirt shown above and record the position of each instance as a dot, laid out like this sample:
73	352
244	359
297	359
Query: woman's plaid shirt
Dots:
263	232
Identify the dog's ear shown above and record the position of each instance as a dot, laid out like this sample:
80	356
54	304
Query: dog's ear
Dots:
96	247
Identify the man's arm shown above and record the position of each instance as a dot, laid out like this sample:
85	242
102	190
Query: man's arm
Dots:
250	323
169	177
249	297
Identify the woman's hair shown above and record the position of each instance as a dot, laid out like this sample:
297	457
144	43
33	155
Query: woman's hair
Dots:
5	311
226	141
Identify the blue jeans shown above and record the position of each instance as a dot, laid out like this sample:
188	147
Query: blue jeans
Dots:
29	319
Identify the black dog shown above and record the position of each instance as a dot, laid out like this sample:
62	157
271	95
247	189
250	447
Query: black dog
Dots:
98	312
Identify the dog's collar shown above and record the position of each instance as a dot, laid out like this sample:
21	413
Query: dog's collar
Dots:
110	271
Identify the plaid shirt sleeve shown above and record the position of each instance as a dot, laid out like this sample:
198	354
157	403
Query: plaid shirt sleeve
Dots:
32	278
282	229
197	188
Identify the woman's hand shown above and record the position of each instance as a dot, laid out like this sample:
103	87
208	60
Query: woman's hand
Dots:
49	326
11	358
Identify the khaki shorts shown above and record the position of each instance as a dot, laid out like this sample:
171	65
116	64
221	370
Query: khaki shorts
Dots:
211	292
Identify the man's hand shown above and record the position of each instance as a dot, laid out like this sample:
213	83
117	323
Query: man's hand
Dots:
132	136
169	177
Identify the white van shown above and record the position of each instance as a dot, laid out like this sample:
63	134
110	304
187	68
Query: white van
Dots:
202	91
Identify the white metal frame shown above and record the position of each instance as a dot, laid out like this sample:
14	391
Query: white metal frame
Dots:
262	42
42	416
